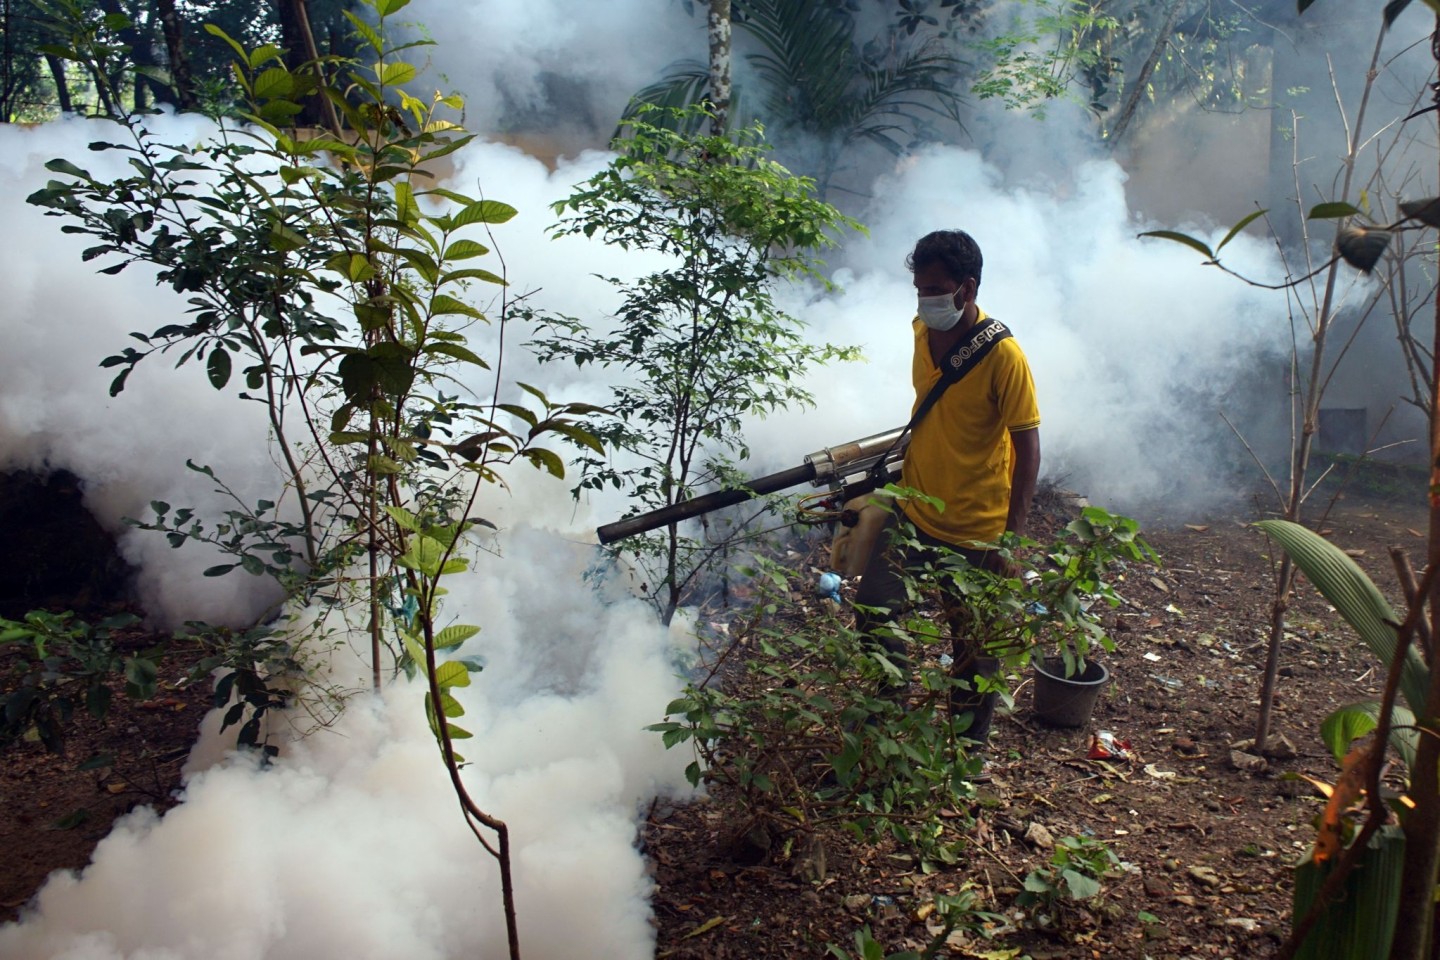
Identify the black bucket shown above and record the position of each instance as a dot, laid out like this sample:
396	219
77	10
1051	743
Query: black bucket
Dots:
1067	701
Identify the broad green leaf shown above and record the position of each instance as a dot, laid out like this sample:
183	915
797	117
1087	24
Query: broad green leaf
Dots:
263	53
450	674
366	32
1355	596
372	316
1345	726
403	518
395	74
457	732
423	263
218	367
423	555
66	167
473	273
448	148
358	377
453	636
548	460
485	211
1332	210
443	305
285	239
278	112
1359	719
1184	238
140	677
406	208
387	7
360	268
413	646
215	31
158	74
1238	227
383	466
456	352
274	84
465	249
1079	886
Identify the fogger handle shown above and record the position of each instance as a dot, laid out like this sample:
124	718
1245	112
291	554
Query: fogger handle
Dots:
684	510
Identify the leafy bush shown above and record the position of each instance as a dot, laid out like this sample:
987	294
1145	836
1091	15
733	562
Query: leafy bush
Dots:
813	729
1074	873
57	664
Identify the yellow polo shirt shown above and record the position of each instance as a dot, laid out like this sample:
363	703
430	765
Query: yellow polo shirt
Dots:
960	451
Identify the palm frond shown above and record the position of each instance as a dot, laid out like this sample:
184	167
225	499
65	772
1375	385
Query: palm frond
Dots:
808	60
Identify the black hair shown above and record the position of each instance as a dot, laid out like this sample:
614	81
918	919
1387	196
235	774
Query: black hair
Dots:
955	250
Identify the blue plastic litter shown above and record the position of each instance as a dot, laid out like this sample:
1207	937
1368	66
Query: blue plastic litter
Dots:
411	607
829	586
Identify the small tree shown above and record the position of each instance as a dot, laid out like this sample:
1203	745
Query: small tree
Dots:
702	343
321	269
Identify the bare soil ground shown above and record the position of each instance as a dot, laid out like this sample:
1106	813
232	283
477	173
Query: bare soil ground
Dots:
1210	842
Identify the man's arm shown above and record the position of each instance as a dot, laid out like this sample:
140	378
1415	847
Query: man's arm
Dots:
1022	480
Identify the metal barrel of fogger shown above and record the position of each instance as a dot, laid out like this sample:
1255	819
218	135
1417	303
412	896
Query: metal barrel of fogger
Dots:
824	466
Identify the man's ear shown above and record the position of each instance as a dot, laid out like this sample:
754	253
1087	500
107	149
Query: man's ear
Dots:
967	291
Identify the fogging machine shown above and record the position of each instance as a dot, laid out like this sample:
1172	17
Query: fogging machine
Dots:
849	470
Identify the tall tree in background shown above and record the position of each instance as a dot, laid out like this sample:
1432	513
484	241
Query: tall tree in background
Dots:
178	62
819	89
180	77
719	36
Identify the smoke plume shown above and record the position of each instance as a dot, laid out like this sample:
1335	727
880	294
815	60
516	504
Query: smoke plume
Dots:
351	843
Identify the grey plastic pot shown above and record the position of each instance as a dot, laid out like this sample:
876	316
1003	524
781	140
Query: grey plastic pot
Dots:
1067	701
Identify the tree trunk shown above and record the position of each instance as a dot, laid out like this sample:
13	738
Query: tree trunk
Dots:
62	88
302	55
1142	79
719	35
180	79
7	67
142	54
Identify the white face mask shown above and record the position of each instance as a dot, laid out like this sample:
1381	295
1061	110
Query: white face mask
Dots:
939	313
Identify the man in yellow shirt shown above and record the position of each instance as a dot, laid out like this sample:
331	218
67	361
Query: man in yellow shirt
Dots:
976	450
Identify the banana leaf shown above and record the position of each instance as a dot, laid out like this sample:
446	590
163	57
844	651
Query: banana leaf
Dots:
1341	581
1353	721
1360	924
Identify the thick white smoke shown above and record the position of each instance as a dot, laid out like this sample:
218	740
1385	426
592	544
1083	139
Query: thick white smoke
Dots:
352	845
1136	348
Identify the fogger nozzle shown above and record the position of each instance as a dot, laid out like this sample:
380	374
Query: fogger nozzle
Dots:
831	463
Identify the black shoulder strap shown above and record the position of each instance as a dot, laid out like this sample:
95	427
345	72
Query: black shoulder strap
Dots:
960	361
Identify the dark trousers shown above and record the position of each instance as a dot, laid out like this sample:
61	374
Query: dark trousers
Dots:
883	586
